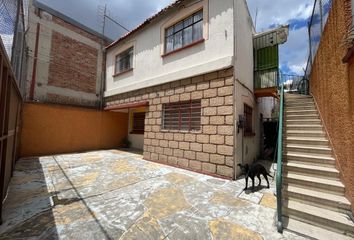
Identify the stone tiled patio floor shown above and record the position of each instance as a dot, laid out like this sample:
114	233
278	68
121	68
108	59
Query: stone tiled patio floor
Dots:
117	195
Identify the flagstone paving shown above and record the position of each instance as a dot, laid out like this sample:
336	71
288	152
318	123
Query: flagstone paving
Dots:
118	195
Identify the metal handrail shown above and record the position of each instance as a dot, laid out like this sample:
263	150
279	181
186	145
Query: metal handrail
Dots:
279	179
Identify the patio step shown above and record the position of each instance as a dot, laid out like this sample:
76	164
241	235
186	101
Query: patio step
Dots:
324	218
320	199
293	225
309	106
310	170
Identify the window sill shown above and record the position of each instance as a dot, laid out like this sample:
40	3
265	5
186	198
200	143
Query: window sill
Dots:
121	73
249	134
137	132
182	48
181	131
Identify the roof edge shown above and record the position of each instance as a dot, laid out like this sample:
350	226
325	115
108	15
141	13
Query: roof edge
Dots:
68	19
146	22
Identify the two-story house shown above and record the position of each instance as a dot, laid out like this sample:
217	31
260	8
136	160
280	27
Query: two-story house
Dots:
186	77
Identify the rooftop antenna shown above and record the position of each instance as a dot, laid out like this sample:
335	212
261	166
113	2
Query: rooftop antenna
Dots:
255	19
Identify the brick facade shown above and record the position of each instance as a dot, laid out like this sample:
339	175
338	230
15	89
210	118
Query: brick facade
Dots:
65	63
209	150
73	65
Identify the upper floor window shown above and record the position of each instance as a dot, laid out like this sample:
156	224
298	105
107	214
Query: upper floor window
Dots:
185	32
124	61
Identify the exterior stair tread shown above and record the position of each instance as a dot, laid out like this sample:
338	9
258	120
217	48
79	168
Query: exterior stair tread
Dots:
313	167
314	179
305	131
317	194
321	213
301	116
322	139
312	231
302	111
307	147
310	155
304	125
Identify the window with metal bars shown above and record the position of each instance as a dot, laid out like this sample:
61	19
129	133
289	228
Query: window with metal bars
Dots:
124	61
248	120
138	123
185	32
184	115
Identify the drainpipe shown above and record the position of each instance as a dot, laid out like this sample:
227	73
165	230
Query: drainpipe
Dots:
234	91
34	70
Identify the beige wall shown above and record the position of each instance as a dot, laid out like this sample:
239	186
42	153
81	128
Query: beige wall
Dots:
215	53
50	129
332	85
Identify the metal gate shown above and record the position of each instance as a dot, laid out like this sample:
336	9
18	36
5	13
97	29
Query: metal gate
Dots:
10	111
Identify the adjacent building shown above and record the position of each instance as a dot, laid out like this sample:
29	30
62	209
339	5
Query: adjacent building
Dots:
186	78
65	59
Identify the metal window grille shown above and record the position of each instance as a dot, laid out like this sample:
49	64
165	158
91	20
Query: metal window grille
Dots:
185	32
138	122
184	115
248	119
124	61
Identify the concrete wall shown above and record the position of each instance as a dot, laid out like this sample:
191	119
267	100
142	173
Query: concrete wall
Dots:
50	129
332	85
69	61
151	68
209	150
247	147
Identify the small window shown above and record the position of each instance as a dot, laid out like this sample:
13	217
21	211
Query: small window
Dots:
138	123
248	120
182	115
184	32
124	61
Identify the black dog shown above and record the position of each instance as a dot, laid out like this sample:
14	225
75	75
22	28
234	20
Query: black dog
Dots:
255	170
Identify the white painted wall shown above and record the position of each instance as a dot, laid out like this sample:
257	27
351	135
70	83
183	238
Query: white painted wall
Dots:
150	68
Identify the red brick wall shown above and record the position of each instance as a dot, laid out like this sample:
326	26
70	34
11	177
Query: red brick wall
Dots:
331	84
73	64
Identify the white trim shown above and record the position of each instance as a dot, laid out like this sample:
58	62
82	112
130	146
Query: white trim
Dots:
182	14
192	71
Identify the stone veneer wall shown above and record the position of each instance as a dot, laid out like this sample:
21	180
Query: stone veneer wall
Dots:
209	150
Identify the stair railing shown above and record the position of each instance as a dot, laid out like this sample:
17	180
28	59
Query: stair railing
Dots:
279	179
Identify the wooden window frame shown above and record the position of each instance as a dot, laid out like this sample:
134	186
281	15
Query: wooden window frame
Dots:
193	42
248	123
185	114
138	116
118	71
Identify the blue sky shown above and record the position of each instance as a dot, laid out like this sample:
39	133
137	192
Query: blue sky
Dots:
271	13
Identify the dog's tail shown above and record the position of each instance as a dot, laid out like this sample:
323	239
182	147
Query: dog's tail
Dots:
268	174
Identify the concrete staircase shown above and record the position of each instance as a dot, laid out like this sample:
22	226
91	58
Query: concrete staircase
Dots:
313	195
